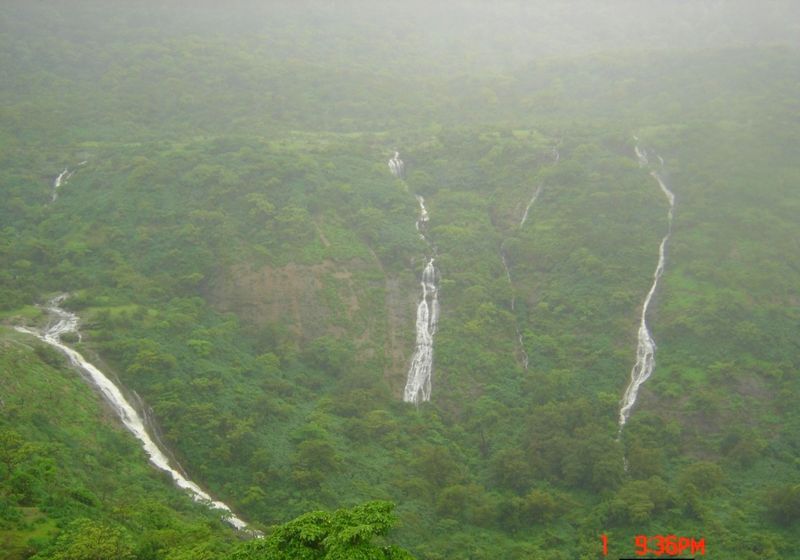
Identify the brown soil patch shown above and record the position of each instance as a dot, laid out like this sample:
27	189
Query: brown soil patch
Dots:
290	295
328	298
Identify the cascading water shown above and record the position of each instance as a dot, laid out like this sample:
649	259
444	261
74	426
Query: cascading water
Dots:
422	221
524	359
645	350
531	202
503	257
65	322
641	155
418	383
62	178
396	166
520	342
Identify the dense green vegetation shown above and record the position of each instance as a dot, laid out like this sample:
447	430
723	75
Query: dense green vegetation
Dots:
242	259
71	478
342	535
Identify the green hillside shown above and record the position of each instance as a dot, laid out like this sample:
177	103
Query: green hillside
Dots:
71	475
243	260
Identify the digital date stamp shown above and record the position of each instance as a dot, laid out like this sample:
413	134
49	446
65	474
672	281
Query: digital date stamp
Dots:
667	546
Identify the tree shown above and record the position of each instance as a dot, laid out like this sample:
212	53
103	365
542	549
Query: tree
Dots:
314	460
511	470
704	477
783	504
541	506
437	465
341	535
89	540
331	355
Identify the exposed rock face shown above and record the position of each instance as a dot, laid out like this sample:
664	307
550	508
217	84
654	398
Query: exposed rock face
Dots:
291	295
353	300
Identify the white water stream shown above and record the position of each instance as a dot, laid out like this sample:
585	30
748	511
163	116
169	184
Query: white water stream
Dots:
520	342
62	178
531	202
646	348
418	383
65	322
396	166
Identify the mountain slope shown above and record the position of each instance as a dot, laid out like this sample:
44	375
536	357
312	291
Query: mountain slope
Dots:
242	257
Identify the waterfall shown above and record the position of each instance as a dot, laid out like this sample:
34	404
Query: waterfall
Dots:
396	166
531	202
520	341
518	332
641	154
646	347
418	383
65	322
422	221
62	178
507	268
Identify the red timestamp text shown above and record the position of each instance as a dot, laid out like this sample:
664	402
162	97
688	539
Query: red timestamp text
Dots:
669	545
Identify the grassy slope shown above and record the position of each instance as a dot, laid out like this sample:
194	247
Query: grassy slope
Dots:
77	462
